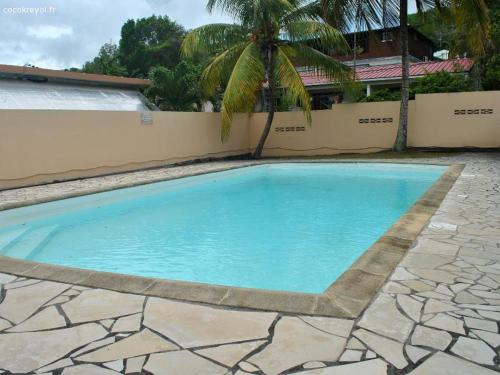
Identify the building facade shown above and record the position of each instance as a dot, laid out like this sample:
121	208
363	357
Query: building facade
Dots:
377	63
325	93
380	47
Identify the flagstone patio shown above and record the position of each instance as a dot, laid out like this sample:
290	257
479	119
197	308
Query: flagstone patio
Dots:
438	313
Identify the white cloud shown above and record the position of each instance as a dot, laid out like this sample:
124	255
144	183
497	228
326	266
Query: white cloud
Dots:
49	31
73	30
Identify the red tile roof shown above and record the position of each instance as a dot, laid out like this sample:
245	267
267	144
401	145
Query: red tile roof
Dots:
394	71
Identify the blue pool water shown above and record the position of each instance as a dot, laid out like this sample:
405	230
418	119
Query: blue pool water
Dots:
291	227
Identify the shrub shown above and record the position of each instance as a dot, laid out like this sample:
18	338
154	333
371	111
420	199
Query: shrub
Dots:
175	89
383	95
442	82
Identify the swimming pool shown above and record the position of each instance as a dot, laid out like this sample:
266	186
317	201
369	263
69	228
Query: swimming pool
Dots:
288	227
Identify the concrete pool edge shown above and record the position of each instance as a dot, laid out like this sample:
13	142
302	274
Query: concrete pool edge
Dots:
347	297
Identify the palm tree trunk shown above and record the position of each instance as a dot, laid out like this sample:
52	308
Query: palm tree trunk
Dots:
272	105
354	56
401	138
355	37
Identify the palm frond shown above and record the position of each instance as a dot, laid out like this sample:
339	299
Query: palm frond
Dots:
425	5
362	15
311	10
213	38
390	13
253	12
231	7
340	14
318	33
220	67
472	19
320	63
243	86
289	79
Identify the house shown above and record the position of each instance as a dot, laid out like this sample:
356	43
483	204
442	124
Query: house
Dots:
382	47
25	87
325	93
377	63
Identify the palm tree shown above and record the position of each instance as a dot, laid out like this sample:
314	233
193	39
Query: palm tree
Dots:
468	16
270	38
402	135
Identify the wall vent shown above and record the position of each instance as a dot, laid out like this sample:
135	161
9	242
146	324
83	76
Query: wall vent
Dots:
146	118
281	129
375	120
478	111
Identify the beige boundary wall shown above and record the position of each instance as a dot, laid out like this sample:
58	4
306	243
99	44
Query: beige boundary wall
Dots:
468	119
43	146
369	127
332	132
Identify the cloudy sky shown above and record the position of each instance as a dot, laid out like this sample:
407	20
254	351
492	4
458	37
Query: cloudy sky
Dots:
60	34
65	33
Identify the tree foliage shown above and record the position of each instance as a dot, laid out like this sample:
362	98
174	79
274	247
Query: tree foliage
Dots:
145	43
359	15
106	62
440	82
462	25
441	31
489	64
150	47
149	42
175	89
382	95
446	35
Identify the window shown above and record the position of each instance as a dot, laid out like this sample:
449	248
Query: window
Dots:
386	36
362	41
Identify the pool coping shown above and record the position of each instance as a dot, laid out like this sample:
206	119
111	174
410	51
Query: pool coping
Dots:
347	297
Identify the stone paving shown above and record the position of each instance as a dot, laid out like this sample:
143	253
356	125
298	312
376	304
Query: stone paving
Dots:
438	313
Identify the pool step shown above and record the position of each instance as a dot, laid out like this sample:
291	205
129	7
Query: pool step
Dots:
8	238
30	241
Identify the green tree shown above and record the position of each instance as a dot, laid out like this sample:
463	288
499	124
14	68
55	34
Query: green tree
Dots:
446	36
490	74
261	49
149	42
175	89
106	62
489	64
441	31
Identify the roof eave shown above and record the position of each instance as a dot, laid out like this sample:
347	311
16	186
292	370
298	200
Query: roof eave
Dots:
20	72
